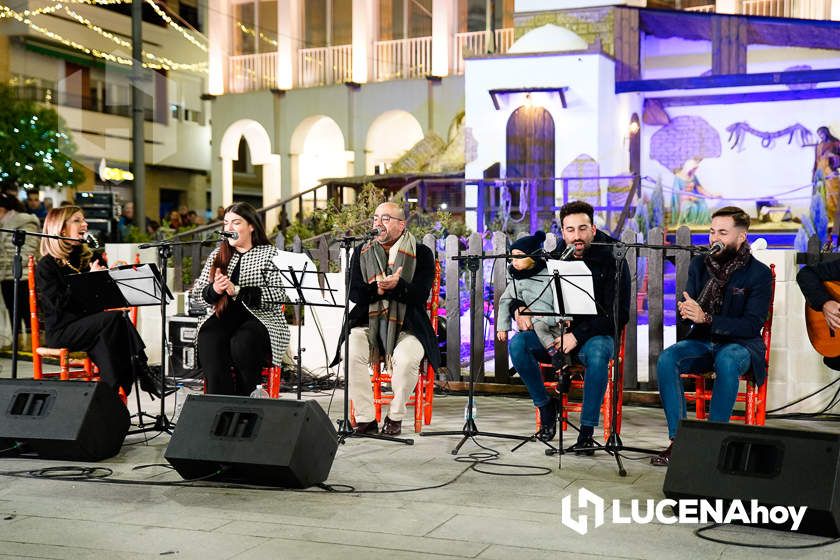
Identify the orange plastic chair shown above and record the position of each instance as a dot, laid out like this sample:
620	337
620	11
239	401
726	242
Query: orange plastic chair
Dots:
578	372
754	398
72	365
424	391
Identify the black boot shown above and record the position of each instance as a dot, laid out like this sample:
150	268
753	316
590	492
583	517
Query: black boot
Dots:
561	361
548	421
151	382
585	444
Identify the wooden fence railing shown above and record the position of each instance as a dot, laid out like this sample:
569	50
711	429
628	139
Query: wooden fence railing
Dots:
647	271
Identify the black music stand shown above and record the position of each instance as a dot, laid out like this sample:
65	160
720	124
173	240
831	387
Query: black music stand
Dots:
614	445
164	248
123	286
470	429
299	275
565	306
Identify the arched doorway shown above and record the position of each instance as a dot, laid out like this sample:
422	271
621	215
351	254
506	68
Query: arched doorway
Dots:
318	152
389	137
530	155
259	149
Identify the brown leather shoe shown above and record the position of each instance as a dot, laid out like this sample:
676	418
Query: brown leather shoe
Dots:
391	427
367	427
664	458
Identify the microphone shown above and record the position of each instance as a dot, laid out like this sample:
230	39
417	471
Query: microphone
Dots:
91	241
716	248
567	252
375	232
229	234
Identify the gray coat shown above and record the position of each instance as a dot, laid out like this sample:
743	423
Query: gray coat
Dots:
537	294
257	270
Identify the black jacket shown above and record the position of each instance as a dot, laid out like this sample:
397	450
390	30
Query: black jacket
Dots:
414	294
810	279
600	261
56	308
746	302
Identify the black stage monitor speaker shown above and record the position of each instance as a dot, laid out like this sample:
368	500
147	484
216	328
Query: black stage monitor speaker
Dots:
73	420
256	441
777	467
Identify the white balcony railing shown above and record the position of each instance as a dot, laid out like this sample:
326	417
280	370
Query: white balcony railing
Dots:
803	9
475	43
402	58
250	72
707	8
325	65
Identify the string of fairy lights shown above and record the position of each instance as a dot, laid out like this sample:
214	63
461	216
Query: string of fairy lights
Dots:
150	60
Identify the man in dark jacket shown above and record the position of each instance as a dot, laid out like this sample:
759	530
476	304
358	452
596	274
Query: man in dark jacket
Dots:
810	279
390	280
725	305
589	337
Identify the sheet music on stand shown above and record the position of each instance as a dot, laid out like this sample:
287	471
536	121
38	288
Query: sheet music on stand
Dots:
576	287
124	286
302	280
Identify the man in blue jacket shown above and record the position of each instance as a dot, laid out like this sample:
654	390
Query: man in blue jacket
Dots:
725	304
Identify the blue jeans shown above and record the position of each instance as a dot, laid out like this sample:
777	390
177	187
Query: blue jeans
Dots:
728	361
526	352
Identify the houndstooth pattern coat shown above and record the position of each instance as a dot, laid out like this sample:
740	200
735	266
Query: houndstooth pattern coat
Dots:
256	270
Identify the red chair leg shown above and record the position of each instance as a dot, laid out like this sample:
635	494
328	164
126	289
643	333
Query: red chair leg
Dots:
428	395
64	365
750	405
606	407
700	397
274	373
418	405
377	392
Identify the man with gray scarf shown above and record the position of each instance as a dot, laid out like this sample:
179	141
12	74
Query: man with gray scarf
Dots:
724	307
390	280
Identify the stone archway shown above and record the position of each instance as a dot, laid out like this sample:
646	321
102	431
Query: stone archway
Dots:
259	146
389	137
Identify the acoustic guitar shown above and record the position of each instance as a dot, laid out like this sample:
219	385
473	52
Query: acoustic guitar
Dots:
826	341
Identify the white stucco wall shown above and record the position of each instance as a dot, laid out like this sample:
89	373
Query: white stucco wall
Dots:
588	125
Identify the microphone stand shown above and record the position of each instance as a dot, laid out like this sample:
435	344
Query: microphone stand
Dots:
470	429
162	423
614	445
345	430
18	239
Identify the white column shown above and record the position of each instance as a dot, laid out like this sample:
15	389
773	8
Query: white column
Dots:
271	189
444	26
289	40
728	6
219	45
835	10
365	31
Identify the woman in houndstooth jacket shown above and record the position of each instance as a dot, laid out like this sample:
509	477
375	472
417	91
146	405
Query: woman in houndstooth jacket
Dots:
246	330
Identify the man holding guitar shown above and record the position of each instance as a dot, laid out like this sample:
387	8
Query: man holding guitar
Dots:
820	284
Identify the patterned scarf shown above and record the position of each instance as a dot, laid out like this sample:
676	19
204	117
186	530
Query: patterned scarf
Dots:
386	317
711	297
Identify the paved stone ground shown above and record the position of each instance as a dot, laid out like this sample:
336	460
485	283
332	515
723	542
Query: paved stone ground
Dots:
478	515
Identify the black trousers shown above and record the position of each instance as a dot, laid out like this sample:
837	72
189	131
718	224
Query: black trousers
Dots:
112	342
8	289
232	351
